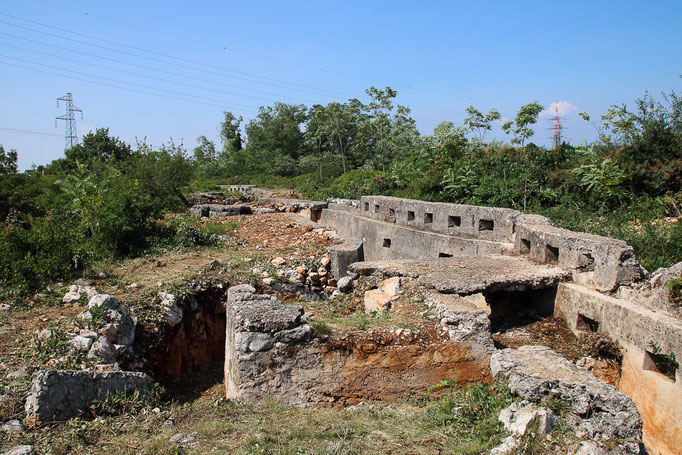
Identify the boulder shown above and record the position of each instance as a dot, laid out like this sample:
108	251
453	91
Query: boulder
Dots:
523	416
173	311
102	351
20	450
81	343
345	284
104	301
380	299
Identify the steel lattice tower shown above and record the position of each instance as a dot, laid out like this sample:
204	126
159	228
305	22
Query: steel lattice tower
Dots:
557	127
71	134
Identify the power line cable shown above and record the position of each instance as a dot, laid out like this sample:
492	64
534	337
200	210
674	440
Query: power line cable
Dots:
42	43
224	47
159	60
139	74
170	56
123	88
17	130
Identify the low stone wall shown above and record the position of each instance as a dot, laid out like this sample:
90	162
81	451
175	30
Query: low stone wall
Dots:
61	394
271	352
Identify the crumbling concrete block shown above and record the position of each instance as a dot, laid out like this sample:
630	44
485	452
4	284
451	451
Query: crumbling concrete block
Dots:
536	372
344	255
521	416
216	210
61	394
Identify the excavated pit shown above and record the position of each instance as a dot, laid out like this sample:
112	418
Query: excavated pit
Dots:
188	357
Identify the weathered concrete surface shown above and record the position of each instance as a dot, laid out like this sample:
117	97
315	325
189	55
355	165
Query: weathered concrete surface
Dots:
522	416
656	294
270	351
342	256
211	210
535	372
624	321
470	275
395	228
613	261
380	299
382	240
61	394
464	321
486	223
659	401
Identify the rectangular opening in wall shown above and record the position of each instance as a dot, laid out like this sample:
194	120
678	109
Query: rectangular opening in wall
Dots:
366	206
387	243
454	221
551	253
509	309
444	255
486	225
525	246
376	208
410	215
586	324
391	216
428	218
656	360
315	215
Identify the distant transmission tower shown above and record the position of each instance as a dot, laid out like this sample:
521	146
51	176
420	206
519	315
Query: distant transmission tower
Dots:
557	128
71	135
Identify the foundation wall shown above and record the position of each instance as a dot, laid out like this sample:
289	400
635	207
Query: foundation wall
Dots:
658	398
271	352
383	240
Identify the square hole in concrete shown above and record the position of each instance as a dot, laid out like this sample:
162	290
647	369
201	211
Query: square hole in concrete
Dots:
454	221
587	324
366	206
444	255
551	253
525	246
656	360
410	215
486	225
376	208
387	243
428	218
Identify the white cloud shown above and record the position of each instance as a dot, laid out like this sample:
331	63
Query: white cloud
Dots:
560	108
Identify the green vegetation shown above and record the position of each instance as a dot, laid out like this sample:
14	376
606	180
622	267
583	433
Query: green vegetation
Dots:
107	200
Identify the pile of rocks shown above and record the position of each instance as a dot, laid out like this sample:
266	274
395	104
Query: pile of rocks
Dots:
111	330
289	277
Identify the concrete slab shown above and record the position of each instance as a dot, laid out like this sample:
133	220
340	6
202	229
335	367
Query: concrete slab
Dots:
470	275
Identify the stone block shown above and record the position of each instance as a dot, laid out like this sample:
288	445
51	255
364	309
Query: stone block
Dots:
61	394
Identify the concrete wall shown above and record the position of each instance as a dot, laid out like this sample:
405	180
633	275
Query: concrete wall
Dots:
395	228
467	221
384	240
657	397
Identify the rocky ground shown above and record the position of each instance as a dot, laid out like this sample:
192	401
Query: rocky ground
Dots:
80	325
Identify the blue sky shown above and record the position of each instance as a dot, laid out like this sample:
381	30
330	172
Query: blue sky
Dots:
237	56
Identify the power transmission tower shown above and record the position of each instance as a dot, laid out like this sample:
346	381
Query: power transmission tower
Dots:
71	135
557	128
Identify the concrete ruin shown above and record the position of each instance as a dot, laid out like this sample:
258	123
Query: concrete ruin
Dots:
476	263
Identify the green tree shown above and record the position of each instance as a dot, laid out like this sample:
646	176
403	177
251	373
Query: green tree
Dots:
98	149
275	139
526	116
230	133
8	161
204	152
479	123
